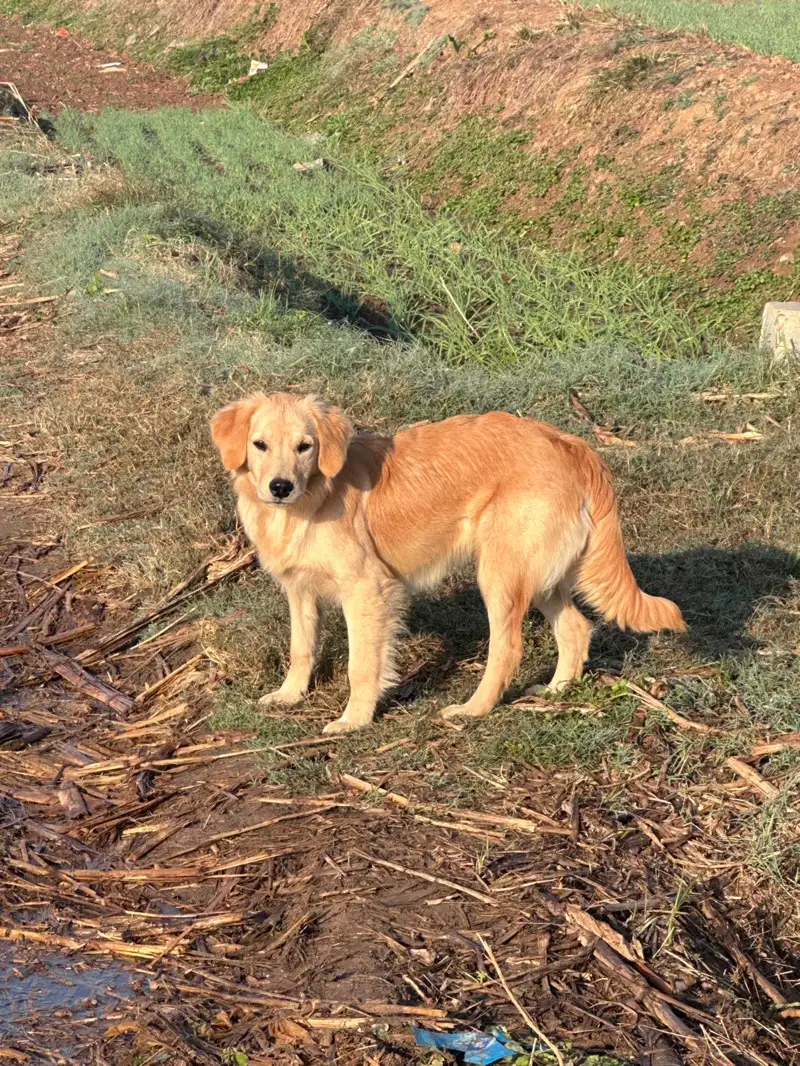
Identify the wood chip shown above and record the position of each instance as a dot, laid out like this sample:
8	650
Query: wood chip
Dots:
56	640
728	939
784	742
658	705
753	778
491	818
86	683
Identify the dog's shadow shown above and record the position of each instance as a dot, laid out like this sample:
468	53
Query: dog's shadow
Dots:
718	590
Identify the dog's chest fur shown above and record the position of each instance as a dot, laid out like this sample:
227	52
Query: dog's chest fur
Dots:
291	546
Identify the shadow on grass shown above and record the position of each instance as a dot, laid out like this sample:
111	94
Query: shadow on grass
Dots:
265	271
718	590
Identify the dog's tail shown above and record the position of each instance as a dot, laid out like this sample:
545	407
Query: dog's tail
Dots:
604	577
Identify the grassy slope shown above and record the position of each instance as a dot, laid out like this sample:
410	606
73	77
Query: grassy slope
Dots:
771	27
372	251
199	313
487	173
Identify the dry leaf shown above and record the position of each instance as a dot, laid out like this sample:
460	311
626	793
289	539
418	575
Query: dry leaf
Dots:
736	438
606	437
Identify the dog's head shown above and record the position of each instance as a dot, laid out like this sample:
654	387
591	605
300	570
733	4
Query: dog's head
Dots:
280	442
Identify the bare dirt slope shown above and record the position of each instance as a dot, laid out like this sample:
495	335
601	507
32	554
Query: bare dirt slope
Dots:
53	69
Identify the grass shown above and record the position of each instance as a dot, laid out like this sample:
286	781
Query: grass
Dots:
202	265
372	251
692	258
771	27
203	306
485	171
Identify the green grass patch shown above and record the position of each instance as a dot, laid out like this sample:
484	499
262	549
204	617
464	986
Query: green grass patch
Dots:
372	251
212	65
476	170
624	75
771	27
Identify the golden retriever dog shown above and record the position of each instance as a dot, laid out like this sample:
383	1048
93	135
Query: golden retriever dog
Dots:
359	520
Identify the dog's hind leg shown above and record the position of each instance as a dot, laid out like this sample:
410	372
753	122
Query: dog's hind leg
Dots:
507	596
572	632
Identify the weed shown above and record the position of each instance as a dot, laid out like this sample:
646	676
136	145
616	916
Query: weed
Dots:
570	21
488	37
526	34
630	37
684	237
483	169
652	190
623	76
624	134
681	102
212	65
416	15
415	11
721	106
575	191
276	90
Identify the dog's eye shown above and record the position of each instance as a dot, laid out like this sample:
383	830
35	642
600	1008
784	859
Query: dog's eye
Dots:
260	445
303	446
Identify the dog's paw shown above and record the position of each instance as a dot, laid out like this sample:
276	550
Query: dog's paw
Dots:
282	697
463	710
341	725
547	691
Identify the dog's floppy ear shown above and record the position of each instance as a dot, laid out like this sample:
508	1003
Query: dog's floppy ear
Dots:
334	432
229	429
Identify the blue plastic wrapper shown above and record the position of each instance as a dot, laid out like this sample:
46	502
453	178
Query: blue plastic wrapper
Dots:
480	1049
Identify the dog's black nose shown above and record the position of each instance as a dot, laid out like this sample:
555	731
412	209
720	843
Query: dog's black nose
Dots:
281	487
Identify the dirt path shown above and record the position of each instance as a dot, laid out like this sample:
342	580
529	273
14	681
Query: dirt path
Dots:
53	70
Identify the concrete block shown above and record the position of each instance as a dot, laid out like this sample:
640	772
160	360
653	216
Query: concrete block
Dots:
780	331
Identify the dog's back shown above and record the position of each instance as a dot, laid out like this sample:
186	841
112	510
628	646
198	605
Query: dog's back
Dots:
512	487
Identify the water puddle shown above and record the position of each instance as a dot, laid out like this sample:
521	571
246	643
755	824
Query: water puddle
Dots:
56	986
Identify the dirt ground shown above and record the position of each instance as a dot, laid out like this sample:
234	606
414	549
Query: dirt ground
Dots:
189	907
53	69
161	902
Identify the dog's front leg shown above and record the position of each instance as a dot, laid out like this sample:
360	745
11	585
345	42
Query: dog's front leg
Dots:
304	614
373	611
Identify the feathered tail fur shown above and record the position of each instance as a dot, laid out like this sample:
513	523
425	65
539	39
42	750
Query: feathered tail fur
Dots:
604	576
